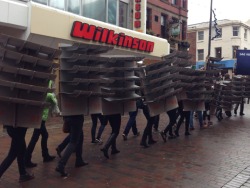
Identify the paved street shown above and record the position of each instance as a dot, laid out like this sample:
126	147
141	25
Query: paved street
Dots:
214	157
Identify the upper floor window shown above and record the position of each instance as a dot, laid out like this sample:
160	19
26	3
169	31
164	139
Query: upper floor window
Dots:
123	14
44	2
112	11
184	4
74	6
235	48
174	2
59	4
94	9
245	33
200	35
200	53
216	33
218	52
149	18
235	31
184	30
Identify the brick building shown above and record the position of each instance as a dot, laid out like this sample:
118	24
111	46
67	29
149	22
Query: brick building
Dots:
168	19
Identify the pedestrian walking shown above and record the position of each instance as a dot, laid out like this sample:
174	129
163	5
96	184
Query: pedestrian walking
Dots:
183	115
75	123
16	151
156	124
200	119
44	134
147	137
103	122
172	120
131	123
115	123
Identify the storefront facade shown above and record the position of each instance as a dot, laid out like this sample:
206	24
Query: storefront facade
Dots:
50	22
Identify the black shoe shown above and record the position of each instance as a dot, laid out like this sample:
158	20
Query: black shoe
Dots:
80	164
176	134
58	151
48	158
105	153
62	172
144	145
164	136
30	164
187	133
151	142
94	142
124	137
26	177
115	151
171	137
242	114
137	134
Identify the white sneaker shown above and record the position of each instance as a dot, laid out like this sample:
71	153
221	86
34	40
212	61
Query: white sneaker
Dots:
99	141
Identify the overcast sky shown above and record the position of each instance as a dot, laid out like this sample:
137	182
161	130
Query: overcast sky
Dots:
199	10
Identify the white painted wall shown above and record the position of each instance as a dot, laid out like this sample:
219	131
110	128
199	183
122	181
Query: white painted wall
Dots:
226	41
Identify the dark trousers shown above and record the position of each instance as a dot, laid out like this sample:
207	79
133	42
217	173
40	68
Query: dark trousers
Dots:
131	123
206	113
76	124
184	115
241	104
156	122
103	122
79	146
115	123
17	150
172	120
35	136
64	143
147	133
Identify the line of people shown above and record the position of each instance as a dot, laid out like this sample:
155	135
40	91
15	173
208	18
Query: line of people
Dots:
73	142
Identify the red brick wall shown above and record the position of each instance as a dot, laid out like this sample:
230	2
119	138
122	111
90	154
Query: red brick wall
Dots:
191	38
159	7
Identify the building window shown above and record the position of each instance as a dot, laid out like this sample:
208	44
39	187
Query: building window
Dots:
216	33
156	18
73	6
164	26
123	14
184	30
245	34
149	18
218	52
174	2
220	31
245	48
235	31
44	2
59	4
184	4
200	54
94	9
200	35
112	11
235	48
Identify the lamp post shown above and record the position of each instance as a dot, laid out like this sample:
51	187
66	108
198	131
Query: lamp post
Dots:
209	37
